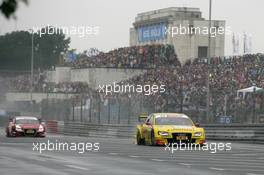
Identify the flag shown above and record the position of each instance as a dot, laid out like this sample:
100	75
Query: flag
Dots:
235	42
247	43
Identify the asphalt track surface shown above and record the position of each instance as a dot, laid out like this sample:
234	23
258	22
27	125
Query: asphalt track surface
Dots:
122	156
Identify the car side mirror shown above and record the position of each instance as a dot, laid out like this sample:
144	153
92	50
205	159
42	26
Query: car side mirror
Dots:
42	122
148	123
197	125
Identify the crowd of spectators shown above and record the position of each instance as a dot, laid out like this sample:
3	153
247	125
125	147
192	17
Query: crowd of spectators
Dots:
22	83
186	85
147	56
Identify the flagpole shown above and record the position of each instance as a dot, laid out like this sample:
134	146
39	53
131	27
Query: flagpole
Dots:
208	65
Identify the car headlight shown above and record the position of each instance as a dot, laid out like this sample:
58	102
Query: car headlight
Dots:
41	128
163	133
18	128
198	134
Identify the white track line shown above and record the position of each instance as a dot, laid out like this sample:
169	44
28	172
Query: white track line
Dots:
158	160
218	169
133	156
185	164
77	167
113	153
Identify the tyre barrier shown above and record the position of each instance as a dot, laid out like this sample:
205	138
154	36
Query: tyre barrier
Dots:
234	132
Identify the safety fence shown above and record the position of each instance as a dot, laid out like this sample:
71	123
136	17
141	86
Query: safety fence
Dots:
235	132
124	109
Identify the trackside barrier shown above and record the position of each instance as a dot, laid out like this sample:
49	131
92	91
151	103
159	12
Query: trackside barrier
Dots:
239	132
95	130
52	126
60	128
235	132
2	131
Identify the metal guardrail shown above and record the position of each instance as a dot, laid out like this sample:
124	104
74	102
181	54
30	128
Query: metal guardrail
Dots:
2	131
235	132
95	130
55	127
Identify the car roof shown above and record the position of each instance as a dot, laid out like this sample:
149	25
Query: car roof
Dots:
172	114
25	118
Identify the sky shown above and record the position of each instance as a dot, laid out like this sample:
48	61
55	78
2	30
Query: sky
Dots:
114	18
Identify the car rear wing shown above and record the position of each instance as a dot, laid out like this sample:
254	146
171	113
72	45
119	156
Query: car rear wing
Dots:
142	117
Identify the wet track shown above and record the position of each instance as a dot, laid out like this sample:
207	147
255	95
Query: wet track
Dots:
122	156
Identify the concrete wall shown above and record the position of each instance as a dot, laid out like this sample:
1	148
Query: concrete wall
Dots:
186	46
62	74
93	76
51	75
37	97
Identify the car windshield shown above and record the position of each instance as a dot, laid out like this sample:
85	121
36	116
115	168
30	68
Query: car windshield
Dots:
27	121
173	121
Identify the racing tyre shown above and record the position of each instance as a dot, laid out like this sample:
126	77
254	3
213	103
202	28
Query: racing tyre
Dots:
140	141
153	142
7	134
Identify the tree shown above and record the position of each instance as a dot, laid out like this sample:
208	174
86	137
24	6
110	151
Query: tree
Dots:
50	47
15	49
8	7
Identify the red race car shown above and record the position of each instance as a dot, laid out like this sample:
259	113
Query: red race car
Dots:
25	126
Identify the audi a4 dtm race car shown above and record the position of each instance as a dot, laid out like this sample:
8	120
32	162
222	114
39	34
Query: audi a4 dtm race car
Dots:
25	126
168	128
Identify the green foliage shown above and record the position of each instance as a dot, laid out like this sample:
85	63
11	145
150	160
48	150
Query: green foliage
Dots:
8	7
15	50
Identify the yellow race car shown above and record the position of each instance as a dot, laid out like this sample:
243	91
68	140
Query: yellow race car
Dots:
168	128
